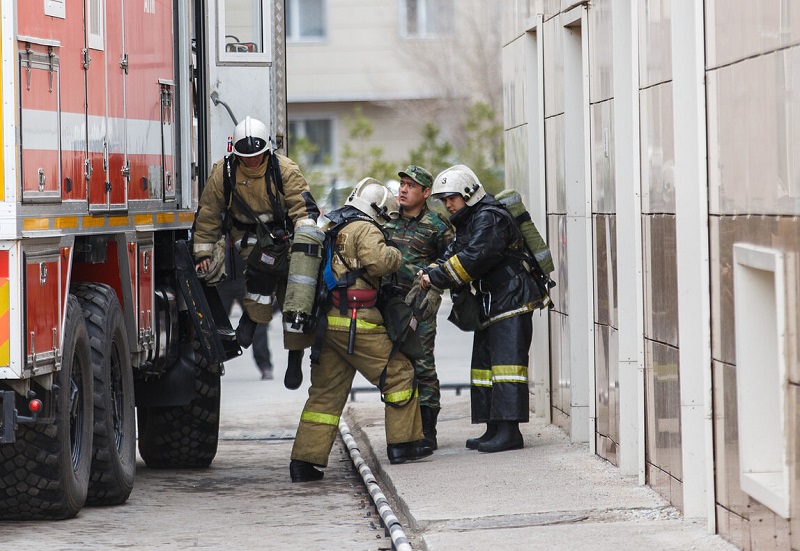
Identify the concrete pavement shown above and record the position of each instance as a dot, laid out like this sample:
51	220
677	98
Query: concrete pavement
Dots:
550	495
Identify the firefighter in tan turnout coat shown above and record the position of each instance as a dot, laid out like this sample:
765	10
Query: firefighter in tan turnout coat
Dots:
259	197
356	340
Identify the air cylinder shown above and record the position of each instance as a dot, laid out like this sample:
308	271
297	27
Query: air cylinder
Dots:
301	287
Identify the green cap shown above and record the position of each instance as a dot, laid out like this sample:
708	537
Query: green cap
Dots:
418	174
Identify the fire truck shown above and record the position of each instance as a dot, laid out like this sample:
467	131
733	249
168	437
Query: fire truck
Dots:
111	114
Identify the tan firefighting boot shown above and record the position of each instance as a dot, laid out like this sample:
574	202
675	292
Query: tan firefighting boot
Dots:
429	416
508	437
491	429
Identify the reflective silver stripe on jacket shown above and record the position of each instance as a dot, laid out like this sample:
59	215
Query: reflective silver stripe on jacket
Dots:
252	240
259	299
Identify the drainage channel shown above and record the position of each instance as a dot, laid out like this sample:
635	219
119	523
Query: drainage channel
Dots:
388	519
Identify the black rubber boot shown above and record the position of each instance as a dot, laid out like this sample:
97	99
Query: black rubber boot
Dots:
508	437
303	471
491	429
429	416
246	331
407	451
293	377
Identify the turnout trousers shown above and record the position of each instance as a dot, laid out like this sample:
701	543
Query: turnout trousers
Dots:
499	370
331	382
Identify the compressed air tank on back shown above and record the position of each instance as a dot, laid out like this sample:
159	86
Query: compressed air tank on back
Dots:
301	287
512	200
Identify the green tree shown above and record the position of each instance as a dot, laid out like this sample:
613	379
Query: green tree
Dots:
432	153
481	150
303	151
359	158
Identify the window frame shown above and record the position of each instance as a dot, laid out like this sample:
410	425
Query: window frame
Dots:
423	30
303	119
248	58
95	38
293	35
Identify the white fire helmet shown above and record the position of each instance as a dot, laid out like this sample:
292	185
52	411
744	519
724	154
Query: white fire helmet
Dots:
375	200
458	179
250	138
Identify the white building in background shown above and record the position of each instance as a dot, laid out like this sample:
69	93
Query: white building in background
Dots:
656	142
400	61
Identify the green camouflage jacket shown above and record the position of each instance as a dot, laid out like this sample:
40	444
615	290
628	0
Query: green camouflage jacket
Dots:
422	239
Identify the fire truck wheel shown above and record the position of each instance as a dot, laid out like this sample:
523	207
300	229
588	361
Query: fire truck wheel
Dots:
46	471
184	437
114	449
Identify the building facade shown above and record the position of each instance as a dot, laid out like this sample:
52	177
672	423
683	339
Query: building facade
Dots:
654	141
397	61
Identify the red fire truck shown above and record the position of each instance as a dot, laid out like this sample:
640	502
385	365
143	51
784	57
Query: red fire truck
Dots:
111	114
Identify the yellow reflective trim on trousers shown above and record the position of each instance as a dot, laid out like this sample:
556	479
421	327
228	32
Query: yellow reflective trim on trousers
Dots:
400	396
457	271
322	418
481	377
338	321
509	374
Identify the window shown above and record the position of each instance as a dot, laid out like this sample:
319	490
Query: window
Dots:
242	31
319	134
305	20
94	23
426	18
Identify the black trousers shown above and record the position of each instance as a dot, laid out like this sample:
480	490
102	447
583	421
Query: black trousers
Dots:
499	370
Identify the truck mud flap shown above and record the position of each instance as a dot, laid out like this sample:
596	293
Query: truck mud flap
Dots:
211	323
8	416
175	388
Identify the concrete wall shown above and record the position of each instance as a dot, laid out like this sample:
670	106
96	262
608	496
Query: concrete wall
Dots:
655	142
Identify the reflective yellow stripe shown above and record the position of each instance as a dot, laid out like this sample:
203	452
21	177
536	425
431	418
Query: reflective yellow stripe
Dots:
399	396
322	418
338	321
481	377
35	224
66	222
509	374
2	166
5	317
165	218
456	270
527	307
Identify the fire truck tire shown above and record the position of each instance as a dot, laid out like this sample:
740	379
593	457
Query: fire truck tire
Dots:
114	449
45	473
184	437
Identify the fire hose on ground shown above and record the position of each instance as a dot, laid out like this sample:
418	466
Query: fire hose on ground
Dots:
389	520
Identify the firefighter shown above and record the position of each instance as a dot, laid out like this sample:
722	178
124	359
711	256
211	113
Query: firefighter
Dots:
260	198
488	253
356	340
422	235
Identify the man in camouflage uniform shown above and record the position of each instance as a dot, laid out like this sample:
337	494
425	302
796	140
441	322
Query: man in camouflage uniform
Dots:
422	235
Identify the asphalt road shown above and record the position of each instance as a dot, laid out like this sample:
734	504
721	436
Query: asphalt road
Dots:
245	500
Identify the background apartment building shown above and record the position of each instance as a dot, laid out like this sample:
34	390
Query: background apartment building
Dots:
656	140
400	62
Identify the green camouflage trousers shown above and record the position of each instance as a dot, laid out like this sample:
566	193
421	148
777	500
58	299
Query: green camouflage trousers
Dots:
425	367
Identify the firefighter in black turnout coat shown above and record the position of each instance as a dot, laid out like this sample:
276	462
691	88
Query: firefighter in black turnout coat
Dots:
488	253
